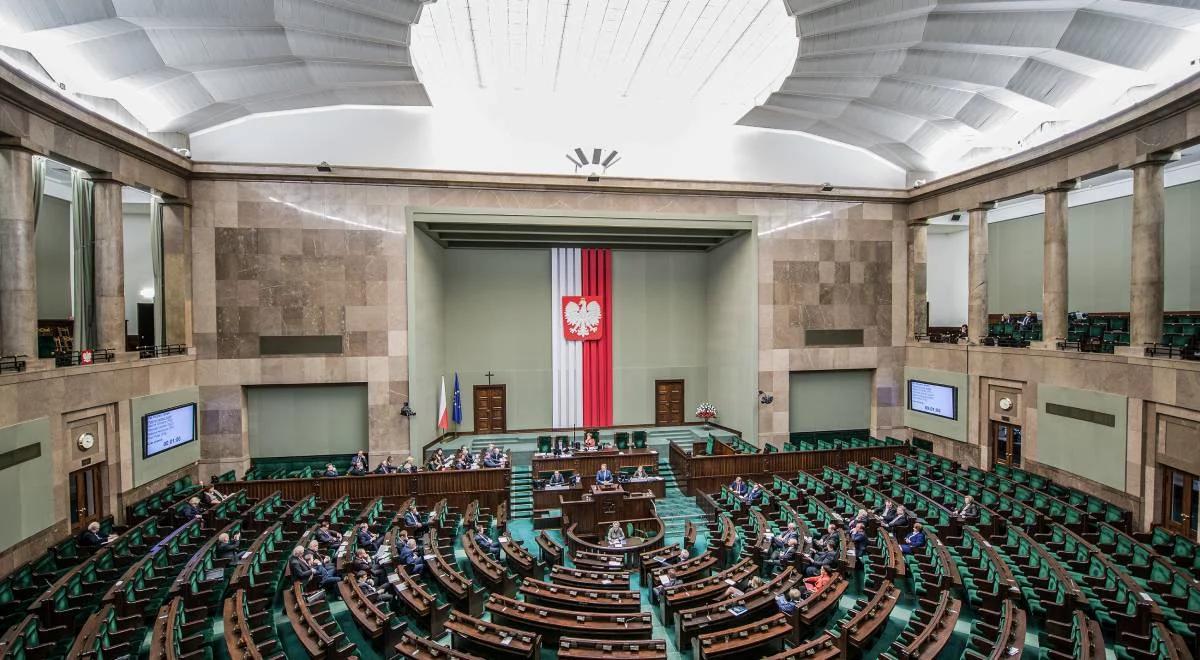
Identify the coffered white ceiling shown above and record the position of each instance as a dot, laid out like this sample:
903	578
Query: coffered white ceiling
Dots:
927	82
183	65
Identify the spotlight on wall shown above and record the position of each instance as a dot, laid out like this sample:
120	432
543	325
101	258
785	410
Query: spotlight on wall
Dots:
593	164
324	167
826	187
407	411
765	398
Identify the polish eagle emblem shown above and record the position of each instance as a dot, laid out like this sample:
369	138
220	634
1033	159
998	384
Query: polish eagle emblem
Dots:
581	318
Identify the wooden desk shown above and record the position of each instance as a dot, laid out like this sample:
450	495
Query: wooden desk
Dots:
593	514
574	648
552	623
627	554
415	647
758	636
568	597
618	580
587	464
471	634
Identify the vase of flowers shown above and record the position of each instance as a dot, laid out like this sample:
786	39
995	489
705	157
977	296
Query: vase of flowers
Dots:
706	412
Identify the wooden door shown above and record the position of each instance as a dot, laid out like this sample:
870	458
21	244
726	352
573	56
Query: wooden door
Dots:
1181	502
668	402
87	496
1006	444
490	409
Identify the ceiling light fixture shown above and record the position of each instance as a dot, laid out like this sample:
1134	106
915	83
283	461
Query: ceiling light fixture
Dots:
595	163
324	167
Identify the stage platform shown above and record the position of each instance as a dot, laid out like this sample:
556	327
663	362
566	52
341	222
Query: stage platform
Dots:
523	445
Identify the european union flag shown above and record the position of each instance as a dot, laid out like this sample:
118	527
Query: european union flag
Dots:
456	410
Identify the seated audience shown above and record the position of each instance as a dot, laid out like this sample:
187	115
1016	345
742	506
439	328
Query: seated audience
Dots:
784	556
485	542
409	467
227	547
752	493
915	540
887	512
861	517
328	536
211	496
969	510
789	533
411	557
437	461
299	565
859	538
192	509
901	519
791	602
363	562
90	538
964	333
615	535
330	471
413	520
666	581
494	458
385	466
817	582
1026	322
557	479
366	584
358	464
314	552
366	539
738	487
753	583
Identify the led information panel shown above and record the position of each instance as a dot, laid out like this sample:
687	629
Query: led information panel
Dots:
167	429
933	399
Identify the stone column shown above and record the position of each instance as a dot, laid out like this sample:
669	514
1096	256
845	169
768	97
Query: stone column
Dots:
977	292
177	271
918	256
1054	266
1146	273
18	255
109	254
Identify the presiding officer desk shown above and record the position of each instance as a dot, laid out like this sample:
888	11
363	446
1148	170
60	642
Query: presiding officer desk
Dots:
586	464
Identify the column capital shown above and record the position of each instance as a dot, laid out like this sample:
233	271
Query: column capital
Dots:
168	200
982	206
1157	158
1062	186
22	144
105	178
923	222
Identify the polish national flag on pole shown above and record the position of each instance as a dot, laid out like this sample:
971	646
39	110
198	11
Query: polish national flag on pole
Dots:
443	413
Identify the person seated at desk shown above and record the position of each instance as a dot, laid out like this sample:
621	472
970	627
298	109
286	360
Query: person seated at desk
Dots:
557	480
366	584
385	466
364	562
640	473
831	541
485	542
589	442
330	471
752	493
901	519
560	447
227	546
817	582
863	516
366	539
409	467
494	458
326	576
462	460
411	558
669	580
968	511
90	538
328	536
1026	322
210	496
914	541
786	535
604	475
733	592
888	511
435	462
314	551
784	556
738	487
859	538
615	535
191	509
299	565
358	465
791	602
413	521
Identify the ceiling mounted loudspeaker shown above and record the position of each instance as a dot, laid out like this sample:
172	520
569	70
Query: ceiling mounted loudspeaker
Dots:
765	398
955	217
593	164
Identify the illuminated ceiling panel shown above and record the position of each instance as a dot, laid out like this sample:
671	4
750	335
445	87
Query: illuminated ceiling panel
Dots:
709	54
938	85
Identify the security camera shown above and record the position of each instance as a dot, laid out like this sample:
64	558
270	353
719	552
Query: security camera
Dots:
765	398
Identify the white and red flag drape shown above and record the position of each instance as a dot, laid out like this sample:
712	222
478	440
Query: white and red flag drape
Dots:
581	331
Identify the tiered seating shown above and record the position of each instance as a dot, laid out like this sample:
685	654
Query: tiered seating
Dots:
822	442
156	503
179	634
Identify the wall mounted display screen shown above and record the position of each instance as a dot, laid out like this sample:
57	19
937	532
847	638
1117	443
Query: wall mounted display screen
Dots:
167	429
933	399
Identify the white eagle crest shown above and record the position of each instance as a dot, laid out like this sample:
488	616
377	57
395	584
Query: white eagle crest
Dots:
582	316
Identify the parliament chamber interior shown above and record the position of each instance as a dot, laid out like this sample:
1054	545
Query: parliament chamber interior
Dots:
845	329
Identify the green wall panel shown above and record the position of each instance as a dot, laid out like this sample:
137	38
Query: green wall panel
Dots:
1094	451
731	312
426	334
146	470
955	429
53	247
306	420
829	400
27	489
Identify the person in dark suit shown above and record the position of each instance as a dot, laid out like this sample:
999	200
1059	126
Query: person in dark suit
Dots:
786	535
671	580
557	479
859	538
411	558
314	551
738	487
604	475
363	562
752	493
560	447
408	466
467	457
325	575
227	547
358	464
330	471
211	496
969	510
90	538
413	521
385	466
494	458
784	557
831	541
436	461
328	536
914	541
887	512
788	604
485	542
300	566
366	540
1026	322
461	461
901	519
863	516
191	509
